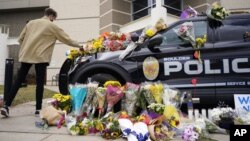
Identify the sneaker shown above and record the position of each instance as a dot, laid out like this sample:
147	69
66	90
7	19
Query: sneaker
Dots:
37	113
5	111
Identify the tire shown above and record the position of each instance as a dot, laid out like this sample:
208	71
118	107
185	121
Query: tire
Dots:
101	78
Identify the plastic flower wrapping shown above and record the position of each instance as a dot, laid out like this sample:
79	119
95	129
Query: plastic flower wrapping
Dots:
146	95
113	95
186	32
87	105
159	130
78	93
101	98
130	98
188	13
217	12
172	96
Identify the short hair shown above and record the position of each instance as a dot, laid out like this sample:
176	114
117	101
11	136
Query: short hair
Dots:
50	11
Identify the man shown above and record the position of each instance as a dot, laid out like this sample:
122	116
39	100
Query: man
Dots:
37	42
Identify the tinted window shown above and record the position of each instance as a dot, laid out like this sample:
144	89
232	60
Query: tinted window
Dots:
232	30
171	38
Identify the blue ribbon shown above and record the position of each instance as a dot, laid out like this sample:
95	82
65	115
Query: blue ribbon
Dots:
127	131
140	137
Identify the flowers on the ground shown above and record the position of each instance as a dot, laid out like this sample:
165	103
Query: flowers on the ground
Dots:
157	90
172	116
220	113
62	102
191	133
157	108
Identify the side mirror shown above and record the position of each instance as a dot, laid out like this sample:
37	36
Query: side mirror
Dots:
155	41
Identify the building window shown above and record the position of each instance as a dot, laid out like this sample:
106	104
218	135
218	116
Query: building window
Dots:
143	8
173	6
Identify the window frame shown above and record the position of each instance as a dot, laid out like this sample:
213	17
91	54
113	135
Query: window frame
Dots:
171	27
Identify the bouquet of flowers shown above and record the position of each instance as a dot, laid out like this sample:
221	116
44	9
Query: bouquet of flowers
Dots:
91	87
78	93
157	108
199	44
243	117
186	32
213	128
159	131
172	96
131	91
217	12
62	102
222	113
157	90
51	115
101	98
78	128
112	129
108	41
188	13
171	115
146	95
112	83
114	94
191	133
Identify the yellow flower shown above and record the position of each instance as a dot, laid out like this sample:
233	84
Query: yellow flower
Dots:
172	115
112	83
150	32
157	91
115	134
158	130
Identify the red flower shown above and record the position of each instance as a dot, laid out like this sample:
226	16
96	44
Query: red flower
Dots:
194	81
196	54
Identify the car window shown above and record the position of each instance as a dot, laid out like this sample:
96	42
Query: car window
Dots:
232	30
171	38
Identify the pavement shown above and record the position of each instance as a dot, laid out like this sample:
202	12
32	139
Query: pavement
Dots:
20	126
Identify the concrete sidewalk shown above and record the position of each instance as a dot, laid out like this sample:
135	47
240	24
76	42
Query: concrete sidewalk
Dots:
20	126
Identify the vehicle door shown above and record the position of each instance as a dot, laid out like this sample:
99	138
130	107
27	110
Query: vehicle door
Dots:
177	65
232	54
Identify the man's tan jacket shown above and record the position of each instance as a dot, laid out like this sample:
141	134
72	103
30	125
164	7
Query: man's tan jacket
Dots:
38	39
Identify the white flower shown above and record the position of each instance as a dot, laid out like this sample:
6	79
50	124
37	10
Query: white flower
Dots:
215	114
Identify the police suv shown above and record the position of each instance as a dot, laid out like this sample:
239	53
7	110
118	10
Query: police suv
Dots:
223	72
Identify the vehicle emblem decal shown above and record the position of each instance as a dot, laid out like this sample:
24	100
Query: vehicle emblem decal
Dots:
151	68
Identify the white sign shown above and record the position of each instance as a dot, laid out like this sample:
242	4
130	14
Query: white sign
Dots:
242	102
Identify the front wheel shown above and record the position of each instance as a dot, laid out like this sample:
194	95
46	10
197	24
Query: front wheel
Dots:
101	78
